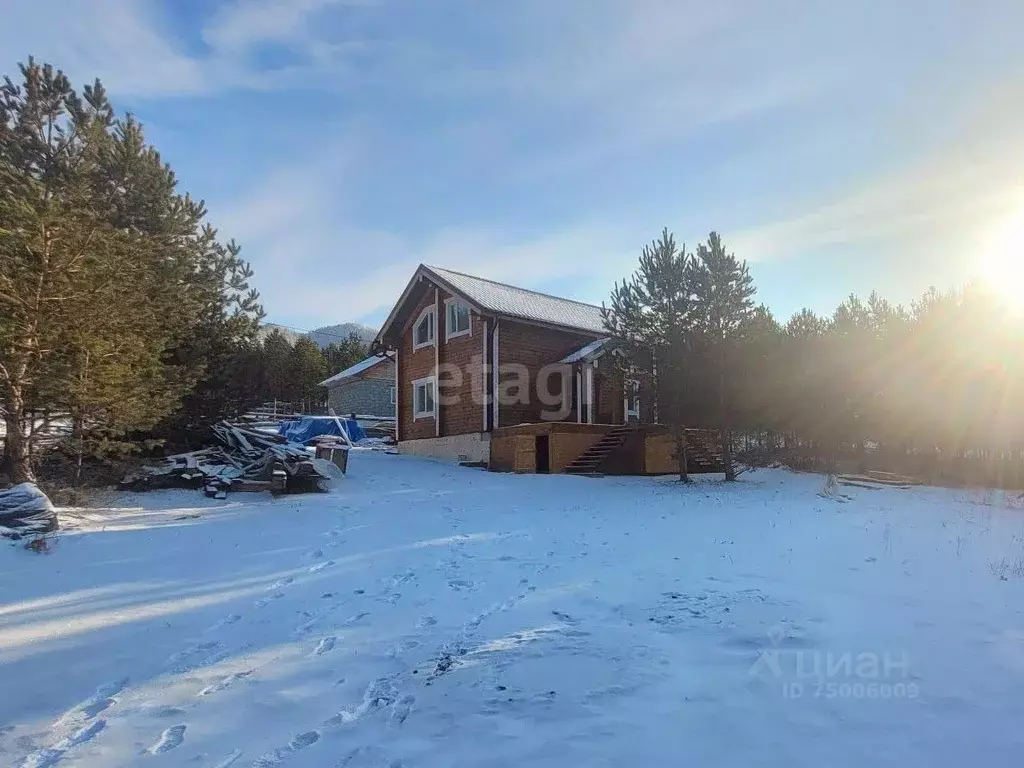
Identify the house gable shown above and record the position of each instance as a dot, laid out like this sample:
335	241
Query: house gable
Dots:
465	342
488	298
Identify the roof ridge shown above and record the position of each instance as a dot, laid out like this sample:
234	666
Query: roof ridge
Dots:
514	287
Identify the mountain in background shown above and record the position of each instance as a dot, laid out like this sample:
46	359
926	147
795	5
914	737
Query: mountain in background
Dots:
325	335
340	332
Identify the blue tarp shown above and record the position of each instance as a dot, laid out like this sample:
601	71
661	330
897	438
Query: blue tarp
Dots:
304	430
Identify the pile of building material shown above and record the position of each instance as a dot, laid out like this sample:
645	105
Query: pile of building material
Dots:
25	510
875	479
246	460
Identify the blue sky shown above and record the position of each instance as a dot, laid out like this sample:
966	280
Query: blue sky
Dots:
836	146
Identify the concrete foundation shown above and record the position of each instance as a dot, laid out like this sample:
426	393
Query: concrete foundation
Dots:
475	446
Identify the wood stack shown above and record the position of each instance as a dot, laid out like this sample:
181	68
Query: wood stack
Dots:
875	479
246	460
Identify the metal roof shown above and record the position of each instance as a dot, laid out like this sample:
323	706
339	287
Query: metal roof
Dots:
587	352
502	299
354	370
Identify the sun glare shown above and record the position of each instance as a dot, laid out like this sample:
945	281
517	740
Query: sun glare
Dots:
1001	267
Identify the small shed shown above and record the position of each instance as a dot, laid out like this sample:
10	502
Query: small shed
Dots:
366	388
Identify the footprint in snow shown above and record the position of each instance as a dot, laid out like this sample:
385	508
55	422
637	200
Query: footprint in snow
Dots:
326	644
86	733
304	740
279	755
229	760
99	701
400	709
281	583
50	756
231	618
225	682
306	627
263	602
379	693
175	660
564	617
161	711
94	708
353	620
366	756
169	739
321	566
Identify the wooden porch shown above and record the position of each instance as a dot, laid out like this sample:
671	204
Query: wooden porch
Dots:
600	449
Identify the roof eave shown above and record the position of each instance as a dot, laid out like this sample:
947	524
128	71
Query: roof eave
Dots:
384	338
552	326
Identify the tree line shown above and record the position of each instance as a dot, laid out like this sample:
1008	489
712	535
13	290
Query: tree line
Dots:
124	313
292	372
934	388
122	309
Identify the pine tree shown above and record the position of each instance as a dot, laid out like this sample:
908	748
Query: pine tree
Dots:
107	275
759	379
58	255
652	317
308	368
344	354
277	361
723	302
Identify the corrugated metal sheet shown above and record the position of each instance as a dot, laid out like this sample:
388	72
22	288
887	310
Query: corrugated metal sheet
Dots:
503	299
584	352
354	370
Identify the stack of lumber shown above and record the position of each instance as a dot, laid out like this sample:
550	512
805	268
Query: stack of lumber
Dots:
876	479
246	460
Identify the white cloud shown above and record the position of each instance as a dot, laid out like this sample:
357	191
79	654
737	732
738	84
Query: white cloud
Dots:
314	278
614	75
123	42
314	265
238	25
114	40
956	194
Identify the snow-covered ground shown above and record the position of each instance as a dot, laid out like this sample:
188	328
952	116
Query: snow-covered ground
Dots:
425	615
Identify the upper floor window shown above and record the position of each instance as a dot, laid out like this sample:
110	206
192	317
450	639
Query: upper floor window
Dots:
423	331
457	320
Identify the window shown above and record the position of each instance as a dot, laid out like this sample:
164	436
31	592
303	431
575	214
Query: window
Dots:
423	331
393	395
423	398
457	322
632	399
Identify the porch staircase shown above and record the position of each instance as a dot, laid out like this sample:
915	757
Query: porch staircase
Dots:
589	462
703	452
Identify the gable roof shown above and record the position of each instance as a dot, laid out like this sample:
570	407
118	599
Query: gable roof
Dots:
354	370
504	299
492	297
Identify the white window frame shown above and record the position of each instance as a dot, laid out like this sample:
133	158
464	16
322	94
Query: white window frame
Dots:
428	311
393	394
424	382
448	333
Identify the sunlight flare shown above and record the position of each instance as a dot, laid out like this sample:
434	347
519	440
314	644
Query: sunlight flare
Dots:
1001	267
